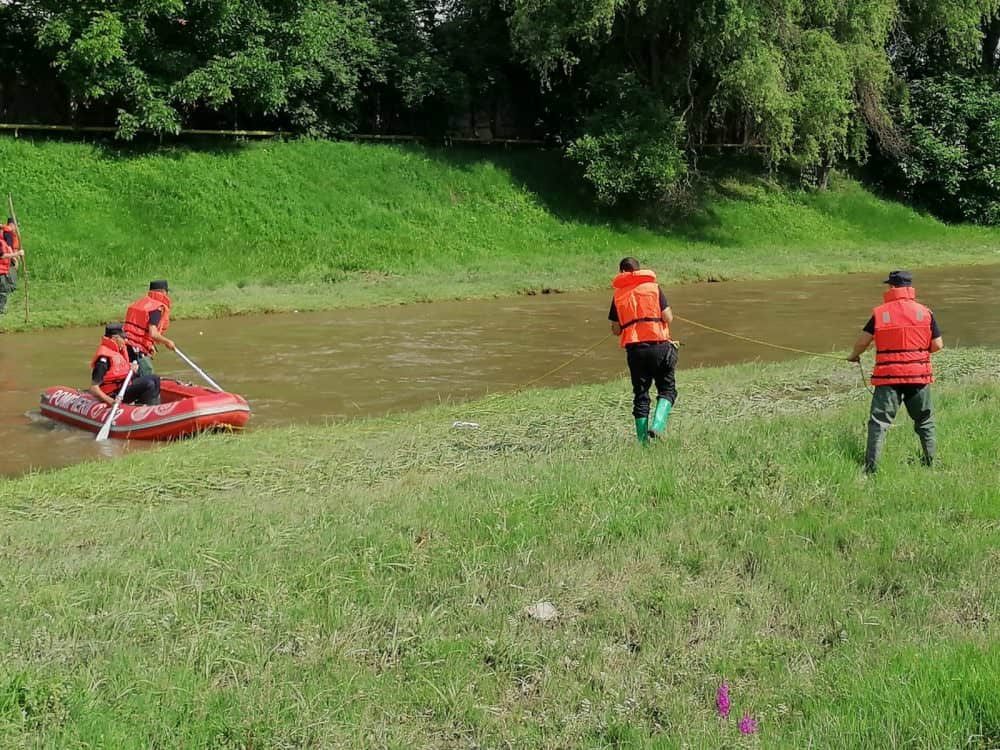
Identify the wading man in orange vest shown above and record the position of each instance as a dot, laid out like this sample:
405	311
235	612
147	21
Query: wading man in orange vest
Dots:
640	316
110	366
905	335
146	322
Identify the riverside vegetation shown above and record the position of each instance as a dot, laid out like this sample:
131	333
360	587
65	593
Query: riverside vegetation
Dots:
633	88
307	225
365	585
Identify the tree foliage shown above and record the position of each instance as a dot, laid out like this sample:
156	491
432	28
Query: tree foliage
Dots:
631	150
953	165
306	60
782	75
633	88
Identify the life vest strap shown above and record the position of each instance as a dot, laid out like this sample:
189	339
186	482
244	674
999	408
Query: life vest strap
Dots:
641	320
880	362
899	377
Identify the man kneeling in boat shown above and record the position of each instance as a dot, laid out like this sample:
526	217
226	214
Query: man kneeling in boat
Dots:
111	366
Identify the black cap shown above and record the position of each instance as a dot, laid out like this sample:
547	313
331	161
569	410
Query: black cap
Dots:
899	278
114	329
160	285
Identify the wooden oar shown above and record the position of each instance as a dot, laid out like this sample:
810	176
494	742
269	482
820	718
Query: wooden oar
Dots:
24	258
198	370
106	427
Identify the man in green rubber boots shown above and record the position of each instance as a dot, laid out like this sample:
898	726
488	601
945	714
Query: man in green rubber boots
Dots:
640	316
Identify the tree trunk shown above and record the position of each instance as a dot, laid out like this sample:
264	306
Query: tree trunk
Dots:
494	116
823	173
991	38
654	62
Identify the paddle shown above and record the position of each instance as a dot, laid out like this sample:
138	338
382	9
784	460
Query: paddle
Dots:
106	427
198	370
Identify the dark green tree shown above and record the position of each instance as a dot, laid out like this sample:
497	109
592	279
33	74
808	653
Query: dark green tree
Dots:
802	81
303	61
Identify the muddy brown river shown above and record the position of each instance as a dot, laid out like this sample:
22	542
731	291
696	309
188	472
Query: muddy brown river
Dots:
324	367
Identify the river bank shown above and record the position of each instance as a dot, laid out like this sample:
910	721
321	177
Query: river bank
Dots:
366	583
402	358
266	227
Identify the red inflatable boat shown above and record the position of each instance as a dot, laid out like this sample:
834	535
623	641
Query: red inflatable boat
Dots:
184	410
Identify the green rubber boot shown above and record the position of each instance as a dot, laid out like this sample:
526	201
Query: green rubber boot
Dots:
642	429
659	425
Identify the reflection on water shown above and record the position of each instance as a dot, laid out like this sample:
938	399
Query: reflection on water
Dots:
321	367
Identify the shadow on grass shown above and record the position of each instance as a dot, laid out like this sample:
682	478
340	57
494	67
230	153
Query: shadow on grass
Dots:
167	147
144	144
691	213
556	182
561	189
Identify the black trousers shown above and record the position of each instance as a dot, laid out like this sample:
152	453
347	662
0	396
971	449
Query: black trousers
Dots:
144	390
648	364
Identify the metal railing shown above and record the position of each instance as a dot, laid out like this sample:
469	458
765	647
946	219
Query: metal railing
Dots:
107	129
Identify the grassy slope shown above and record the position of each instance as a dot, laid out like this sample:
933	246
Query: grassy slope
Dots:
309	225
364	585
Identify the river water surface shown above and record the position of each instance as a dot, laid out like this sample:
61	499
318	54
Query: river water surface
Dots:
322	367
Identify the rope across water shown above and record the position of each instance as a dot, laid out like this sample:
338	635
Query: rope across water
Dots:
759	342
861	369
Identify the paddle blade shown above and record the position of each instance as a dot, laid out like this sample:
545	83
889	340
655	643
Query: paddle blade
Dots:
106	427
105	431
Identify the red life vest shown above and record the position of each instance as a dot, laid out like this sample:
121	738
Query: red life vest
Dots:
119	365
637	300
902	340
10	230
4	261
137	320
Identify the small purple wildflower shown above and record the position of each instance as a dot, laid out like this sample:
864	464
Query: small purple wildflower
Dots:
722	699
748	725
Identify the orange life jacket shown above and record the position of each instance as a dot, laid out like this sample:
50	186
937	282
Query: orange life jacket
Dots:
637	300
10	230
137	320
902	340
4	261
119	365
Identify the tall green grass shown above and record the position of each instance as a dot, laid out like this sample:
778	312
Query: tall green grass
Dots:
314	224
365	584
